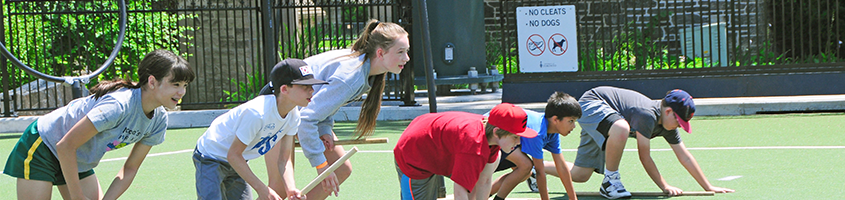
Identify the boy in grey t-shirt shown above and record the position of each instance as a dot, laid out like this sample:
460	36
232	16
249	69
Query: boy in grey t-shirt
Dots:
611	115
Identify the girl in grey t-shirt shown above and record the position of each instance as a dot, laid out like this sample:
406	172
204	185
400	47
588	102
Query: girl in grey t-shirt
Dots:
63	147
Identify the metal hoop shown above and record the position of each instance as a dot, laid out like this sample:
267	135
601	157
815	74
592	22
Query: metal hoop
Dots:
71	80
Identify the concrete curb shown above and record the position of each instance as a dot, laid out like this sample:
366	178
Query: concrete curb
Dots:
756	105
16	125
704	107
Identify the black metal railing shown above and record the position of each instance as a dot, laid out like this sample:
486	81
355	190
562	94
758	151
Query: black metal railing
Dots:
680	34
225	41
230	43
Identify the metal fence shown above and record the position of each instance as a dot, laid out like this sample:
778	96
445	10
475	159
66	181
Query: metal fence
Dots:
230	44
680	34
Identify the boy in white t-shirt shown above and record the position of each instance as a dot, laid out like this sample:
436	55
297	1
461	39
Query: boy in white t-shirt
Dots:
264	125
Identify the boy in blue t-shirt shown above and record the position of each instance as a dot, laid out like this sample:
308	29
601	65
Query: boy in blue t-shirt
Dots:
562	110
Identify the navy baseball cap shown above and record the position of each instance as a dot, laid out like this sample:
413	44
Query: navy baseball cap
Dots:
682	105
293	71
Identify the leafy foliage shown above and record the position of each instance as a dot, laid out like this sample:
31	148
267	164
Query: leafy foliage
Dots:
496	59
72	38
247	89
808	31
636	48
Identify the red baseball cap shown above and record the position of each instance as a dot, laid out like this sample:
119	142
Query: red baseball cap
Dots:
511	118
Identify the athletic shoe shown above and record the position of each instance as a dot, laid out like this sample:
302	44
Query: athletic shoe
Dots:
532	181
441	192
611	187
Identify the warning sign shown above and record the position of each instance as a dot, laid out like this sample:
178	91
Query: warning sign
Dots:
551	28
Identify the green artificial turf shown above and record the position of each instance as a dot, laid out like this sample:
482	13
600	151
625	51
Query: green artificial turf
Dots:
776	156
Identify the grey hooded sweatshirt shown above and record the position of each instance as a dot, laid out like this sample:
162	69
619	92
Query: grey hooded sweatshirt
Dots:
348	79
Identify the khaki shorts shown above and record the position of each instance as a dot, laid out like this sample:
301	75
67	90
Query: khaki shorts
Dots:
594	130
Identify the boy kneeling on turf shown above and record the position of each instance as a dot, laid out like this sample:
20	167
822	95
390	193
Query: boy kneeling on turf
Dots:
264	125
611	115
462	146
558	120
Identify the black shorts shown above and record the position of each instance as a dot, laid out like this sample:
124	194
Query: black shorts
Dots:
605	124
505	163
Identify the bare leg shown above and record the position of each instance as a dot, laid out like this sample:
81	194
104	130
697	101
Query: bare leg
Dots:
549	168
342	172
617	136
91	187
579	174
498	183
34	189
507	182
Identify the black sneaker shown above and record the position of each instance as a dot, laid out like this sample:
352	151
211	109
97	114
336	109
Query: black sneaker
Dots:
532	181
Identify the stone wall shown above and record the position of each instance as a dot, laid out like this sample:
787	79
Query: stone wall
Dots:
37	95
226	45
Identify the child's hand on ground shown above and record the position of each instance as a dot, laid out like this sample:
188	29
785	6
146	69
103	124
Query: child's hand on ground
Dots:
672	190
720	189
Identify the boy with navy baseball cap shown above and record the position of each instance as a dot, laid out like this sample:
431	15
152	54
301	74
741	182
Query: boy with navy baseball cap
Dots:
611	115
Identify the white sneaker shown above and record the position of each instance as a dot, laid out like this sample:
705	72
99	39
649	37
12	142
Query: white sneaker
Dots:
532	181
611	187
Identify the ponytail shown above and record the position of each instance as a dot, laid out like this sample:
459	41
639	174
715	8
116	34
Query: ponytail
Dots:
376	35
360	45
105	87
371	107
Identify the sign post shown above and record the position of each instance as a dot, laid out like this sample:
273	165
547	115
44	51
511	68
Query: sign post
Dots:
548	38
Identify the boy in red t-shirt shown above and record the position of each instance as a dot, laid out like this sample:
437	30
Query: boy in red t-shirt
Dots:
462	146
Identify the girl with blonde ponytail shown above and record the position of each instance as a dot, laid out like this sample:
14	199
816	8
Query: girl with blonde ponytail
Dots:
381	48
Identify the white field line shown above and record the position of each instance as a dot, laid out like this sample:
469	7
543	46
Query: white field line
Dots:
568	150
729	178
150	155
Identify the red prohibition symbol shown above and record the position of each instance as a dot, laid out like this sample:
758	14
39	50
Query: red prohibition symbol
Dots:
536	45
559	44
